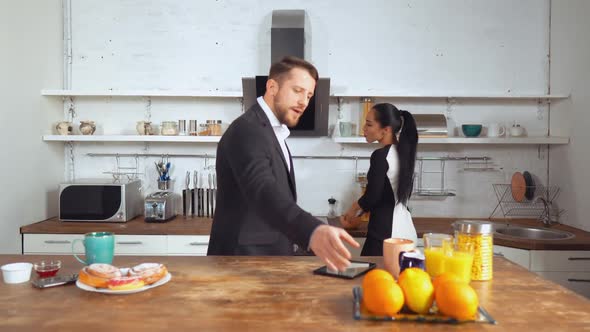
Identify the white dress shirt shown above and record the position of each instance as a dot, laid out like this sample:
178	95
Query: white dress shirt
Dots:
281	130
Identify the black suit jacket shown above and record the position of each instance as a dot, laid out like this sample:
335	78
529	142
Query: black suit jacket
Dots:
256	211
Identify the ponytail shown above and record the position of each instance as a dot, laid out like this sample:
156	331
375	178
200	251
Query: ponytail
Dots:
402	123
406	149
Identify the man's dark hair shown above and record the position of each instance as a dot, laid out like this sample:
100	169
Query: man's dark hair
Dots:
279	69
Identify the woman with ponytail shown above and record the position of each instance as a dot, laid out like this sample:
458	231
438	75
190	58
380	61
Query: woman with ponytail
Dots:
390	178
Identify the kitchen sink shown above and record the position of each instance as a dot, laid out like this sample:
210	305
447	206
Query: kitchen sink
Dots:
530	233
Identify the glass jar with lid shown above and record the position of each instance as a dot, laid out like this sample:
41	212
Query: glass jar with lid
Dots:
169	128
204	129
214	127
478	235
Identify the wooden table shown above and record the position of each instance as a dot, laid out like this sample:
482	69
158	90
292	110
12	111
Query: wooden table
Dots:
267	294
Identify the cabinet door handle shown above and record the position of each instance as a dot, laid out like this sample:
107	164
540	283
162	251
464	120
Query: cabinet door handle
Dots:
499	254
578	280
578	258
198	243
129	242
57	241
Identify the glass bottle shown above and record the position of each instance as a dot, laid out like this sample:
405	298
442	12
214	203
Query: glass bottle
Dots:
367	104
332	208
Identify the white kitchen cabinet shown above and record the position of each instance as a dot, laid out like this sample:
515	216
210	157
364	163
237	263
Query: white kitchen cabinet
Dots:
45	244
579	282
569	261
570	269
519	256
140	244
188	245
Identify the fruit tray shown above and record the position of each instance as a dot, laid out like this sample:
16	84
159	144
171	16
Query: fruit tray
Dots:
361	313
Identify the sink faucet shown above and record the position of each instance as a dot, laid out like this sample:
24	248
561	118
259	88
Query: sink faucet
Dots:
545	217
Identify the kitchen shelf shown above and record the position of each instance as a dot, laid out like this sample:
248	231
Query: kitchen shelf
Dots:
142	93
343	140
130	138
409	96
471	140
238	94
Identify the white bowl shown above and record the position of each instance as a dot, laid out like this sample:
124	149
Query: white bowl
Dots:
16	273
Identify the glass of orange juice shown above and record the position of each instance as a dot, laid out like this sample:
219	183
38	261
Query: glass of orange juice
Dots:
459	261
436	248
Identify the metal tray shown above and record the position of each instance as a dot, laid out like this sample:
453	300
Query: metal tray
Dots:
361	313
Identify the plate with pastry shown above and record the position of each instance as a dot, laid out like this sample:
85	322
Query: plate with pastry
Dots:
109	279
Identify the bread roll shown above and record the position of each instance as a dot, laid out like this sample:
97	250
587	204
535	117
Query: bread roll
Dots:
104	271
125	283
149	272
91	280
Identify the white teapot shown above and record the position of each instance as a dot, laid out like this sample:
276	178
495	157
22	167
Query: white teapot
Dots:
516	131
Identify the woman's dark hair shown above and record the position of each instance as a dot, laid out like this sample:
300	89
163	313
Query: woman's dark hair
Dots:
387	115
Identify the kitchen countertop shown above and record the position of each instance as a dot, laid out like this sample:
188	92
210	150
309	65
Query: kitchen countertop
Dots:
202	226
267	294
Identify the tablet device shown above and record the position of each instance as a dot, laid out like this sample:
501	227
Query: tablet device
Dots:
356	268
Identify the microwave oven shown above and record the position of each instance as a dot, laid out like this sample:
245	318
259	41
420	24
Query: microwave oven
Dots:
99	200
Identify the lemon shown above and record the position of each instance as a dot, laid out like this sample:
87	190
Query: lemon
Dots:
418	289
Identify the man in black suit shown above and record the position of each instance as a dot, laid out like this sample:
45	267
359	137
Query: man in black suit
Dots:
256	212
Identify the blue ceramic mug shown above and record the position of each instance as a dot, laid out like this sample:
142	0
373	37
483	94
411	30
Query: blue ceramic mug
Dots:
99	247
411	259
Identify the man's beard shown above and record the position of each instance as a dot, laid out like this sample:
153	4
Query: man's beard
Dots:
282	115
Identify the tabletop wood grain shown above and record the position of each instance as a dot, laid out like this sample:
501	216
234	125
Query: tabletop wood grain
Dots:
268	294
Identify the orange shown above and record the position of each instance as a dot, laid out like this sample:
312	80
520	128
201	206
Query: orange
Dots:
447	276
375	275
418	289
381	294
456	299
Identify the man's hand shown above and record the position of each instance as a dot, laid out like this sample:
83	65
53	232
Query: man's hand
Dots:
326	243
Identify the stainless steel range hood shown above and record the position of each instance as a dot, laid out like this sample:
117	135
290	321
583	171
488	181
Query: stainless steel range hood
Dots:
290	32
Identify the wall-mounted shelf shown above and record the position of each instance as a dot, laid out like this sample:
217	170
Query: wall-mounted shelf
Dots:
343	140
410	96
142	93
470	140
130	138
238	94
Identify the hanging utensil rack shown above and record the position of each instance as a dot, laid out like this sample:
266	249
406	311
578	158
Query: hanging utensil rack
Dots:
124	172
442	190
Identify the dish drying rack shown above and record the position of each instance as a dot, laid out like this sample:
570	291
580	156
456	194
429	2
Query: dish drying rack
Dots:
529	208
470	164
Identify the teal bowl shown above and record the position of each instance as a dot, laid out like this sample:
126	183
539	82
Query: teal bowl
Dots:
471	130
